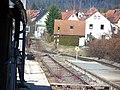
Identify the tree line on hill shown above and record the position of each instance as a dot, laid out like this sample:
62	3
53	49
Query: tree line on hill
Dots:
74	4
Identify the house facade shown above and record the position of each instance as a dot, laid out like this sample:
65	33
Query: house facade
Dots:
40	25
70	28
97	26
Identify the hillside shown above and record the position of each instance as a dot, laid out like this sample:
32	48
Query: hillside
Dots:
74	4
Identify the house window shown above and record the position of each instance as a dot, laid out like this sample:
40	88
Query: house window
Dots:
95	17
98	17
58	29
113	28
80	15
102	27
71	27
91	26
72	15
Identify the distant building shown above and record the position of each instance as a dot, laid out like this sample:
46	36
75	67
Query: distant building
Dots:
88	25
90	12
70	28
40	25
97	25
70	15
113	16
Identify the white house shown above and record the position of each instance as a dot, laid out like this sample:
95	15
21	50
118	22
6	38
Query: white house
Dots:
40	25
97	26
70	15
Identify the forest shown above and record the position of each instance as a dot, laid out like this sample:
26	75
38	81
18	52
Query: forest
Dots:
74	4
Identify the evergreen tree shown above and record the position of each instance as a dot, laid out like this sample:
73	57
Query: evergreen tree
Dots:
53	14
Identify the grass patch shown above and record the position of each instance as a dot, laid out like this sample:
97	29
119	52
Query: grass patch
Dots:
71	50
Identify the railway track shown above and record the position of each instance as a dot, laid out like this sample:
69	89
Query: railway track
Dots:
52	58
66	75
83	59
61	71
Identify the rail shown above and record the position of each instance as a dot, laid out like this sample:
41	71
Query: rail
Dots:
111	84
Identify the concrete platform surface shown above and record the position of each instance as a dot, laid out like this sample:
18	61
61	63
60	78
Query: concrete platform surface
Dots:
35	76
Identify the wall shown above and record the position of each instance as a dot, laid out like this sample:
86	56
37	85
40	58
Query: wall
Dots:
97	20
73	17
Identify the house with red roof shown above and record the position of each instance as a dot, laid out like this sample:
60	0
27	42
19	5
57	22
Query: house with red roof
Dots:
69	15
91	23
32	13
98	26
113	16
90	12
70	28
40	25
70	25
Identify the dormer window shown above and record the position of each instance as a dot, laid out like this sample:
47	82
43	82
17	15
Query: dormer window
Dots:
80	16
72	15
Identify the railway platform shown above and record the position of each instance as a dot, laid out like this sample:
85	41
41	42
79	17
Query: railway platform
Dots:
35	77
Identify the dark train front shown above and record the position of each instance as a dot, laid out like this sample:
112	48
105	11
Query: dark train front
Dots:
12	44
